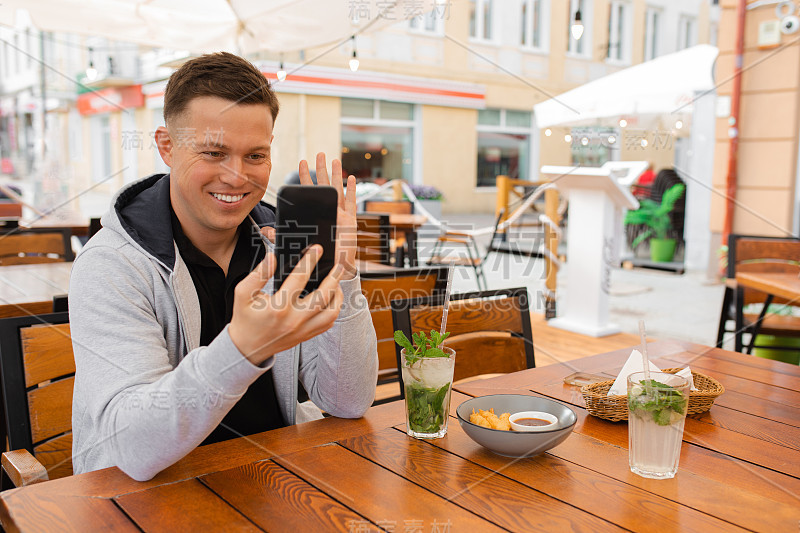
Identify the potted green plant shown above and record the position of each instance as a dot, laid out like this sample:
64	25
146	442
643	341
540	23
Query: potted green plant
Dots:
656	217
430	198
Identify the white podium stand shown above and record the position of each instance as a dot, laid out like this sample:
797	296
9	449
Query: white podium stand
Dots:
596	200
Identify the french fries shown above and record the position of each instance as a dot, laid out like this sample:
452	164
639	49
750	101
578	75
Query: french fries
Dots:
490	420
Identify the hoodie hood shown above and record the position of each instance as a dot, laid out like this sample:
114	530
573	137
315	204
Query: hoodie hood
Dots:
141	213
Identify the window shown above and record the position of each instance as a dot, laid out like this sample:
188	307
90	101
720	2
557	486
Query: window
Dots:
580	46
377	139
430	22
619	32
534	15
687	30
652	33
480	19
504	145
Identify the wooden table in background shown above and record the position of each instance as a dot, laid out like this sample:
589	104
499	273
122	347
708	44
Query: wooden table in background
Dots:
408	224
29	289
78	225
781	284
740	469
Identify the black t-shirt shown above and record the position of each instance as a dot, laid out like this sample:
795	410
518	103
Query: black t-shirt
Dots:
257	410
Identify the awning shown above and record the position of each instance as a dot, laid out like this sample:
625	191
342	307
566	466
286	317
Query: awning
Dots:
666	85
239	26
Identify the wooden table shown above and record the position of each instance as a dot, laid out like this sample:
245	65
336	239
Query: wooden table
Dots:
781	284
740	469
30	288
784	285
407	224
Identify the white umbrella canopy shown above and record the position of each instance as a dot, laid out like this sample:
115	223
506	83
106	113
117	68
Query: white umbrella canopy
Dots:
666	85
199	26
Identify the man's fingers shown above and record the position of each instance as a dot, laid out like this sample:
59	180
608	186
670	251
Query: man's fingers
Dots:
297	279
323	320
305	175
336	180
255	281
322	170
350	201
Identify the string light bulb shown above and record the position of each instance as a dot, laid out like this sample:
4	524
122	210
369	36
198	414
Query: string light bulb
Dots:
354	59
577	26
91	72
548	132
281	71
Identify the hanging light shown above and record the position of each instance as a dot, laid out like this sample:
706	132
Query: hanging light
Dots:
568	138
577	26
584	141
91	72
281	71
548	132
354	59
623	123
612	139
678	124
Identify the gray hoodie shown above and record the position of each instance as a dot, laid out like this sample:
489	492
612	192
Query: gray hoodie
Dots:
145	393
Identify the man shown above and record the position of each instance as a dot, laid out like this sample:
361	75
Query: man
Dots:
177	343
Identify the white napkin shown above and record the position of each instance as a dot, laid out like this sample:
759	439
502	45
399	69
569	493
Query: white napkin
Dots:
634	364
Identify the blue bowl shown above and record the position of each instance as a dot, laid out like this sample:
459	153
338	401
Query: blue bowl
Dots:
515	443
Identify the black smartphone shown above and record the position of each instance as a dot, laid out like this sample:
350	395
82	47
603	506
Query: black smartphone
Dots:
306	215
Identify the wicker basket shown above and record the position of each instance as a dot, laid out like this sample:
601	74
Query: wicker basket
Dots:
615	408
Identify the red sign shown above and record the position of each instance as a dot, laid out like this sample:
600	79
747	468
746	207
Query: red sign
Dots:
111	99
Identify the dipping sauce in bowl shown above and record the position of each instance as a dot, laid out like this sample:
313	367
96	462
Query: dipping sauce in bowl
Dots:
532	421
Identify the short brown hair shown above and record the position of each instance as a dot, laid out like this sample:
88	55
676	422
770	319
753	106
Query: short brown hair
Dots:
222	75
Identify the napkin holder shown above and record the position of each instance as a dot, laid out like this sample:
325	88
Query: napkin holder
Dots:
615	408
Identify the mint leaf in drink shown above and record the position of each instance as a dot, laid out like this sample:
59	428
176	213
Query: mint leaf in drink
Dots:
401	339
435	352
422	347
662	402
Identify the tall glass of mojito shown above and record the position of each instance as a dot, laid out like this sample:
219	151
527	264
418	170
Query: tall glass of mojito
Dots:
427	382
656	415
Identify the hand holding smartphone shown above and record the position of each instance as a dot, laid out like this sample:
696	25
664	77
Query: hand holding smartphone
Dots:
306	215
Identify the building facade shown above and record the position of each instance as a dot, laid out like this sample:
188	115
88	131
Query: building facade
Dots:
444	99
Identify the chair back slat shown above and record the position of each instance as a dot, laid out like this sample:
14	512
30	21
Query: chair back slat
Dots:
25	309
498	352
35	246
46	353
56	455
374	235
50	409
463	316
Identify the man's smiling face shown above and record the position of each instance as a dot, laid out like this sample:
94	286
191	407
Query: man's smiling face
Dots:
219	155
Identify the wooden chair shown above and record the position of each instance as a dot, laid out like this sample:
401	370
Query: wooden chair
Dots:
29	246
757	254
489	330
399	245
374	236
38	371
380	288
